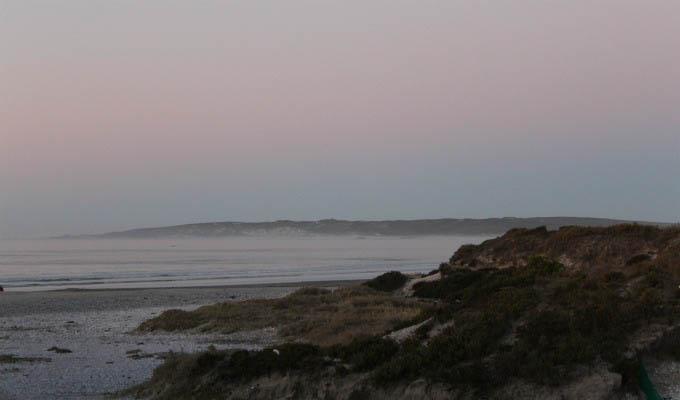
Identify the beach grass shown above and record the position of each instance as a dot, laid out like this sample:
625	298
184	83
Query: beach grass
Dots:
318	316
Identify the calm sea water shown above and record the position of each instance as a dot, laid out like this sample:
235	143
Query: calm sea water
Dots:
102	263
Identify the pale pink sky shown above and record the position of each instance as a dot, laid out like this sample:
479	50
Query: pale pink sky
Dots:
118	114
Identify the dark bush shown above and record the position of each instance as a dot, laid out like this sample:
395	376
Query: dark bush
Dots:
541	266
388	282
172	320
411	362
360	394
245	365
581	320
367	354
614	276
638	259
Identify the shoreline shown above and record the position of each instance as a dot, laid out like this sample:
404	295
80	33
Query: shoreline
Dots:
180	284
14	303
13	290
105	354
341	282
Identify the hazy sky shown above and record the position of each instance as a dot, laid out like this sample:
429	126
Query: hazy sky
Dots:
118	114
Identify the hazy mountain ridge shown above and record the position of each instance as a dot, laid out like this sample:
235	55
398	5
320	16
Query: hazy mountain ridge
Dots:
420	227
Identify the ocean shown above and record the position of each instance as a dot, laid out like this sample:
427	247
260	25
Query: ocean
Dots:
51	264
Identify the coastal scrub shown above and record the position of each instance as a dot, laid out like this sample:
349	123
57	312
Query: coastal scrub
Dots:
317	316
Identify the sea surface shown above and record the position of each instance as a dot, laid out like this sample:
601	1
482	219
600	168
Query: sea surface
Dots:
28	265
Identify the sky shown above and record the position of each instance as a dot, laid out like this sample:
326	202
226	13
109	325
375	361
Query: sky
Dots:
118	114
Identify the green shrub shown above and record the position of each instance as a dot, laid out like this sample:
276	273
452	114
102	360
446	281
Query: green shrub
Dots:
638	259
173	320
411	362
360	394
245	365
541	266
367	354
388	282
581	320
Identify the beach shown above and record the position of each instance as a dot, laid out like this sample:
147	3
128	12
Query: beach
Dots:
78	344
83	299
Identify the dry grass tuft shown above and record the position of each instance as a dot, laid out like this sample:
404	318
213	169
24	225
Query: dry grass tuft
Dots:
318	316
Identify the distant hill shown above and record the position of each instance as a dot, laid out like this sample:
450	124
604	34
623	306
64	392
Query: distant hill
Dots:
328	227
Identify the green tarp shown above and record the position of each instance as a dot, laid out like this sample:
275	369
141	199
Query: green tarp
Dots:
647	386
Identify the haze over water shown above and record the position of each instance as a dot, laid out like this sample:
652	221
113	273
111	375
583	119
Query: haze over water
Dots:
127	113
101	263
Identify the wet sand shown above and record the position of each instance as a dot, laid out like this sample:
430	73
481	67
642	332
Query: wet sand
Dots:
96	326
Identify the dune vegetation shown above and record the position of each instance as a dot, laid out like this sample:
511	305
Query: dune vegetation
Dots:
533	308
317	316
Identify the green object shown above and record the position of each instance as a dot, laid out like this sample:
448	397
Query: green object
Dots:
647	386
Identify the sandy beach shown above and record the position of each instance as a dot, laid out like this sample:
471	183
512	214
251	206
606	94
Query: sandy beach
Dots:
94	351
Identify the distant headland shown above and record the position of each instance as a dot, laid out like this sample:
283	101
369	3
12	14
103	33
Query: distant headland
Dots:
336	227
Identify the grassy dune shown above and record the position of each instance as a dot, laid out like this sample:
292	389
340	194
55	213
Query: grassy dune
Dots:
559	311
317	316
